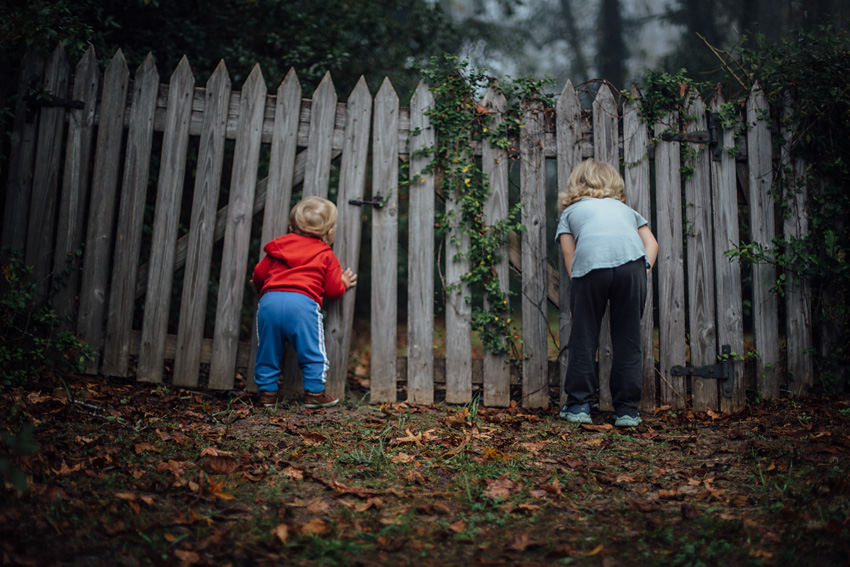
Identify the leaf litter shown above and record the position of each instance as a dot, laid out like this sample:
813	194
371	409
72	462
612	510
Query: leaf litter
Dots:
135	474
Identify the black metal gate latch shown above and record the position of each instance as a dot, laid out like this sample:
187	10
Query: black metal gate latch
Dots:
377	201
713	137
723	371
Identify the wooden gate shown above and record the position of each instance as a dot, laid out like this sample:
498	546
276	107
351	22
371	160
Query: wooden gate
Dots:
81	175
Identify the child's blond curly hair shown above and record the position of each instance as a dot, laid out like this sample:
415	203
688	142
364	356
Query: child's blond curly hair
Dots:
593	178
314	216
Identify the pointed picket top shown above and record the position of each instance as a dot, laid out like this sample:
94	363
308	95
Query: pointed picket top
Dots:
568	130
147	70
635	132
220	78
494	99
117	66
756	103
361	91
57	66
289	84
568	95
718	99
254	79
422	100
386	94
605	118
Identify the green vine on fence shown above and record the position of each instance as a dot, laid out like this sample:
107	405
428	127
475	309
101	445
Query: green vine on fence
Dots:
461	123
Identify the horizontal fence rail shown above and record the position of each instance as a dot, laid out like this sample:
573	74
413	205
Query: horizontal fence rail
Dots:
160	183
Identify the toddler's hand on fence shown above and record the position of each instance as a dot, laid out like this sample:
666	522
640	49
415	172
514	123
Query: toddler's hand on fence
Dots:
349	278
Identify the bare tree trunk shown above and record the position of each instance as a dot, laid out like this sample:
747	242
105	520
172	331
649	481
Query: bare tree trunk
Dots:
573	37
611	51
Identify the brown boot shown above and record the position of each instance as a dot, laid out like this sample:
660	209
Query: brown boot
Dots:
269	399
320	400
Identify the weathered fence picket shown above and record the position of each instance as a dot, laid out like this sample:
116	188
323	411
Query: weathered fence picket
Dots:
385	149
128	238
175	145
352	185
700	269
305	137
420	300
605	148
45	181
494	165
765	303
234	261
636	178
110	132
568	109
75	180
671	279
22	158
798	307
535	368
729	308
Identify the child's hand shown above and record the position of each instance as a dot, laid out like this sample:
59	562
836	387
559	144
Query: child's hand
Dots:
349	278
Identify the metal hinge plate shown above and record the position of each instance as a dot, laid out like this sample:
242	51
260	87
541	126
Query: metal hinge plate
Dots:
723	371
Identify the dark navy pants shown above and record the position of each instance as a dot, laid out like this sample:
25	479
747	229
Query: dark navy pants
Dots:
625	288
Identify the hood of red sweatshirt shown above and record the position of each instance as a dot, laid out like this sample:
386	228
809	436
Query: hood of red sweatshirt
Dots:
295	249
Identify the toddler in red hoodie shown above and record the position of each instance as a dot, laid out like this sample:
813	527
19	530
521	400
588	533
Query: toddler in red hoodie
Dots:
297	273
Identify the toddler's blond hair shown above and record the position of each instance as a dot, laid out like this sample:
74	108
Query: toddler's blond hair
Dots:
313	216
593	178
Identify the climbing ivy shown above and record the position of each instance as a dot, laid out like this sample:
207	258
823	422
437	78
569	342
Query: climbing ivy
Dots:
461	123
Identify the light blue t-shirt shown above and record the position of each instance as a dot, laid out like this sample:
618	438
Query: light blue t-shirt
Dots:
605	231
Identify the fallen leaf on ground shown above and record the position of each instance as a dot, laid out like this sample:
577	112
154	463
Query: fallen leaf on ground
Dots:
315	527
281	532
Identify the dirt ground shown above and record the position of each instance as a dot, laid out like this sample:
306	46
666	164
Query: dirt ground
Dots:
141	474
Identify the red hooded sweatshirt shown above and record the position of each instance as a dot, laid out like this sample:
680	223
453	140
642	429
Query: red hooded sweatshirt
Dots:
302	264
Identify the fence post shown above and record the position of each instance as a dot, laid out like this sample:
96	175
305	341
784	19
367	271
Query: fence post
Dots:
172	168
420	311
765	303
385	146
494	165
128	237
636	177
322	118
535	367
101	211
671	277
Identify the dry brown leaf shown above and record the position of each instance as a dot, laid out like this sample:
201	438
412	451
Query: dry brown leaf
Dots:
520	541
315	527
596	550
318	506
142	447
222	465
293	473
402	458
458	526
499	488
281	532
187	557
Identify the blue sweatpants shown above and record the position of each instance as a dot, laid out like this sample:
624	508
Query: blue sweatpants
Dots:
285	316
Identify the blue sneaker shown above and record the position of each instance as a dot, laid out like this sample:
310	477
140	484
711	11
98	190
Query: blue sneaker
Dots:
627	421
577	413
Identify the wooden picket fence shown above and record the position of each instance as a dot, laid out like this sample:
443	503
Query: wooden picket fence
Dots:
80	174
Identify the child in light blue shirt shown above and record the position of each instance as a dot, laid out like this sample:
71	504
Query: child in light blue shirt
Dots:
608	251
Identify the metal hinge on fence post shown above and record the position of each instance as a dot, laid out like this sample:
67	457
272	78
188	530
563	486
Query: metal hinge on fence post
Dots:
377	201
712	137
723	371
